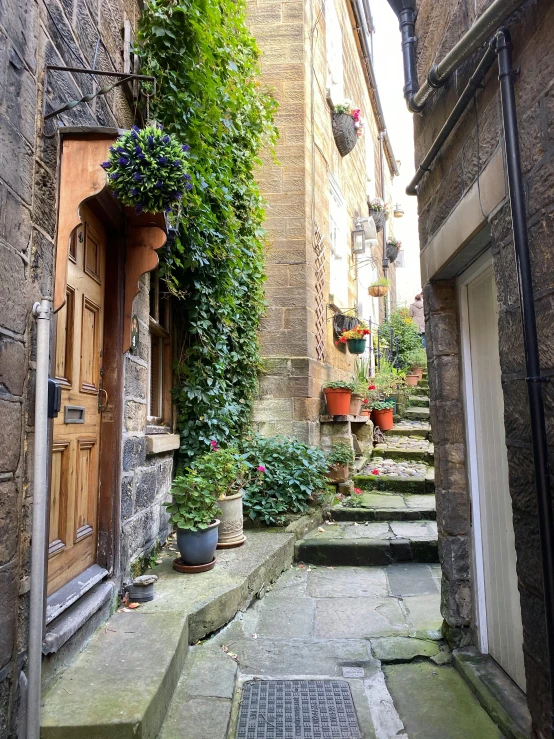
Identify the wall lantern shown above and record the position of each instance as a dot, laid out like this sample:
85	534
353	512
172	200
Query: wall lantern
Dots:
358	240
398	211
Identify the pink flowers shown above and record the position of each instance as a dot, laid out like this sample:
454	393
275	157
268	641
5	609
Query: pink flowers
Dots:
357	491
213	444
261	468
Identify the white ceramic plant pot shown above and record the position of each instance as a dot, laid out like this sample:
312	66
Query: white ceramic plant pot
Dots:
231	526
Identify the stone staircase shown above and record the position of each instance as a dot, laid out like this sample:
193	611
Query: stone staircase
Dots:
391	517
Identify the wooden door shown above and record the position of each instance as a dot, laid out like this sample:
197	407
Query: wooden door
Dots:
76	439
502	606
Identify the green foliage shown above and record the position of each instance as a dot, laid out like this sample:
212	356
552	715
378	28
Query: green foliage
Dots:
382	405
405	330
416	359
381	282
207	67
146	170
341	454
341	385
285	475
388	379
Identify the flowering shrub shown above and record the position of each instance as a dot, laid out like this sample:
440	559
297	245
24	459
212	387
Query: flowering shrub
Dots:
284	476
347	108
146	169
394	242
379	205
360	331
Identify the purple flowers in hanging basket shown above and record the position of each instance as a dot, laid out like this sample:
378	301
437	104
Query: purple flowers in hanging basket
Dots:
147	170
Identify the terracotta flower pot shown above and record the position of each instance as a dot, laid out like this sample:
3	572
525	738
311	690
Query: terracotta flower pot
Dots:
412	380
338	473
366	412
338	401
356	404
231	526
419	373
384	419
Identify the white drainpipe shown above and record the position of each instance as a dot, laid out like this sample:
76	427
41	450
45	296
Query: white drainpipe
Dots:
42	312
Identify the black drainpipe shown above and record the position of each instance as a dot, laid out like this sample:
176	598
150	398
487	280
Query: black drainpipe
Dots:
530	340
406	12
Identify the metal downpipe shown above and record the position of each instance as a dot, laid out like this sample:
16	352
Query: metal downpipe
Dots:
465	98
42	312
530	340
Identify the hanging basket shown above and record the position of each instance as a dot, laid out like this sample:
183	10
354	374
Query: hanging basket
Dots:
378	291
344	133
392	252
356	346
379	217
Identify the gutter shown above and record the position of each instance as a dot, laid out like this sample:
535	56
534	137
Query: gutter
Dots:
363	36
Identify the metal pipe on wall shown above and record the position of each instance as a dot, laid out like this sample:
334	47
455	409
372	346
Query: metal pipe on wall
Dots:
42	313
530	341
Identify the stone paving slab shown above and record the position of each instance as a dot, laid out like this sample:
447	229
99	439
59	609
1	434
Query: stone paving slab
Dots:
410	427
402	649
384	507
415	485
387	466
412	579
418	401
197	718
417	414
348	582
358	618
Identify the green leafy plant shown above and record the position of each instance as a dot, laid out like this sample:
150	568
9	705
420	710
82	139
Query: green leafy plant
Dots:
416	359
146	169
341	454
381	282
341	385
209	95
405	331
284	477
382	405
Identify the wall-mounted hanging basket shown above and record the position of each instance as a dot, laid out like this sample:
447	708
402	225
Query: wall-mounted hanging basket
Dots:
392	252
344	132
379	217
342	322
378	291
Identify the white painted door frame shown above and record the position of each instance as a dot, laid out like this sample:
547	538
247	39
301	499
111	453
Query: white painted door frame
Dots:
479	266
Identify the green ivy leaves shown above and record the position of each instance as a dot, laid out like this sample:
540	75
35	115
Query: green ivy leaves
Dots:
206	64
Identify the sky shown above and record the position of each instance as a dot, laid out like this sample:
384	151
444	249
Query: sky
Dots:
387	58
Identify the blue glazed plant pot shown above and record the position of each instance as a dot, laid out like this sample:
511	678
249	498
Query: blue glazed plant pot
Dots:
198	547
356	346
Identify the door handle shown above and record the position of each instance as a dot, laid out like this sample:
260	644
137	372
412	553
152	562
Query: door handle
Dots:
104	405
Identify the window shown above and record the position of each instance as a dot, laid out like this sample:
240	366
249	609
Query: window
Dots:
159	367
333	44
339	238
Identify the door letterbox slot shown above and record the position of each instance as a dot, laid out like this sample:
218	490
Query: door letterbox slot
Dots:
74	414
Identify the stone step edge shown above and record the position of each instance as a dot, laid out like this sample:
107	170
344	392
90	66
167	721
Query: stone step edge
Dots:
366	552
390	484
344	514
209	616
421	433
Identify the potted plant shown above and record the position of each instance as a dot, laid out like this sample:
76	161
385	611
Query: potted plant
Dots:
355	339
379	288
146	170
347	126
194	508
393	247
379	211
358	396
416	361
338	460
382	414
226	470
337	395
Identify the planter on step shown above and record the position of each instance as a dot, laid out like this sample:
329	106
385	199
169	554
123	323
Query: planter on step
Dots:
412	380
356	404
344	133
338	473
356	346
366	412
198	547
383	419
231	526
419	373
338	401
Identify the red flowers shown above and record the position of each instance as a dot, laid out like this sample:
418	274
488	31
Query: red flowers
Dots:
371	387
374	472
366	401
358	491
343	339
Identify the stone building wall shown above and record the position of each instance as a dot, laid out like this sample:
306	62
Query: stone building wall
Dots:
450	188
296	188
32	34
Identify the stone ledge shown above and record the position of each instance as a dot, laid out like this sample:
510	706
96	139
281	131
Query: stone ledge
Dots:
344	419
500	697
160	443
121	685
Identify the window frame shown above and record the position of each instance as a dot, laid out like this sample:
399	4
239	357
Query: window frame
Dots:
159	330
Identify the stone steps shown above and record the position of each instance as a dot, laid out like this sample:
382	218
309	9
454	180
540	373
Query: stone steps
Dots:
354	544
384	507
418	401
418	390
411	455
417	414
395	484
422	431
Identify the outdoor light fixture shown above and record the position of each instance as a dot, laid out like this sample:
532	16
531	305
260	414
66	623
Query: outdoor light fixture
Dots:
358	240
398	211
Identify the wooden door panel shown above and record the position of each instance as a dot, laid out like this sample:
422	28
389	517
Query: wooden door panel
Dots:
75	451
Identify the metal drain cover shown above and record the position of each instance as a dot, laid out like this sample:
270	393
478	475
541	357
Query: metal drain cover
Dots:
297	709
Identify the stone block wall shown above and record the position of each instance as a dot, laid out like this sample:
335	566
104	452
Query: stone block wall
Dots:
452	176
296	188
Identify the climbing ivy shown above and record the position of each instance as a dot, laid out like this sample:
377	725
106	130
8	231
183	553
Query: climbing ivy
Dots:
206	64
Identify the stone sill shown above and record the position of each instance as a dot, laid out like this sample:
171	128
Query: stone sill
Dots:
160	443
344	419
63	598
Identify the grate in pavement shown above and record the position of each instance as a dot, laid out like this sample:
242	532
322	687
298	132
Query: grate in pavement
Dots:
297	709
